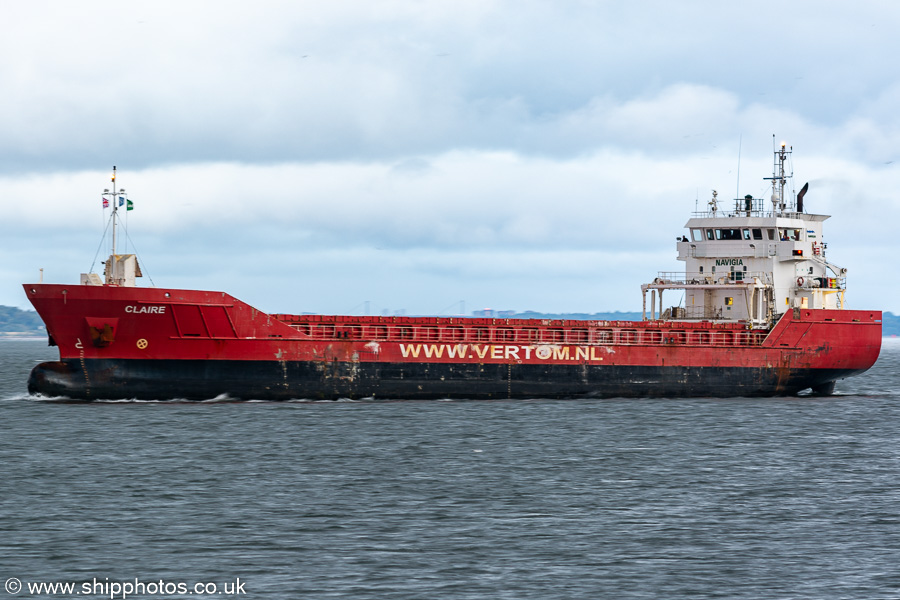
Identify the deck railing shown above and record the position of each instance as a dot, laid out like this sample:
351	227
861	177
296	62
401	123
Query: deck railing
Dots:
724	277
622	333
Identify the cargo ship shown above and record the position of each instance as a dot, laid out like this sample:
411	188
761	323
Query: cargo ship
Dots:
761	312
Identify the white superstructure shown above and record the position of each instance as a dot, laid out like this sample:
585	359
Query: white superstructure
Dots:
752	263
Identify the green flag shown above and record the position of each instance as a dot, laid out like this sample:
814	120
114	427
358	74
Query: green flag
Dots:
130	205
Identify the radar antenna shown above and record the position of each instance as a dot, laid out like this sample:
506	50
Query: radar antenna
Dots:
714	202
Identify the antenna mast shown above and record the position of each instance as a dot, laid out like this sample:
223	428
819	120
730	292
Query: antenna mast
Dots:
114	275
113	196
779	178
115	211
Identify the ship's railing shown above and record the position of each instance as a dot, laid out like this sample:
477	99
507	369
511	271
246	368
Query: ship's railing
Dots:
709	313
821	283
725	277
605	333
757	207
675	278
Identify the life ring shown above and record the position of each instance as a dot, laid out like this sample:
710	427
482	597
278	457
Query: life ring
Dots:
799	282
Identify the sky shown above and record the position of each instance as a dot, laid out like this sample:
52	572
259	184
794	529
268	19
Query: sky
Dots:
436	157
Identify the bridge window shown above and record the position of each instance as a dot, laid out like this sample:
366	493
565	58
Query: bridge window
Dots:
757	234
728	234
697	235
709	234
746	234
771	233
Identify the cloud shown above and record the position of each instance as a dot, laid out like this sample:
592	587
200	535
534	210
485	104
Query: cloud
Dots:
308	154
289	81
422	232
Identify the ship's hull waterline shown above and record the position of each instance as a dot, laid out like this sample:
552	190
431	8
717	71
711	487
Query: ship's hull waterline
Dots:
273	381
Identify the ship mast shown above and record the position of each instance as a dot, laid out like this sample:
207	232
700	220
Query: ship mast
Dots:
779	178
115	211
113	274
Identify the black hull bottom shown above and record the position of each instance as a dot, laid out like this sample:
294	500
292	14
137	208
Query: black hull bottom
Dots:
275	380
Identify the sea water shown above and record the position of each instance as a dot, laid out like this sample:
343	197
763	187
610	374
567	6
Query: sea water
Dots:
536	499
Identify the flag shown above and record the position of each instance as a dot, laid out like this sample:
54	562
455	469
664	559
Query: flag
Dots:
121	200
105	203
130	205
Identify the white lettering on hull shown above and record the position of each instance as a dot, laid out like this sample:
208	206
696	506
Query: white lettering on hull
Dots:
505	352
149	310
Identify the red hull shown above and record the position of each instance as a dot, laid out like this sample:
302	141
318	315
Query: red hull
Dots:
108	325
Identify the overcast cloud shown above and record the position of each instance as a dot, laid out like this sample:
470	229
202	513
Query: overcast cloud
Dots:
310	157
